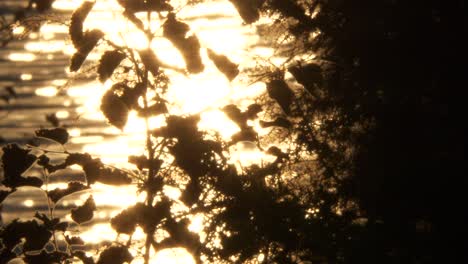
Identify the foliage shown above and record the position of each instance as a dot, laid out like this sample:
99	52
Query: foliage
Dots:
369	130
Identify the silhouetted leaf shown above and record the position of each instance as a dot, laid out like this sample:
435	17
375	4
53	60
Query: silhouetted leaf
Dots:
114	109
46	257
82	256
109	61
224	65
150	60
153	110
191	193
252	111
175	31
279	122
240	118
52	119
275	151
76	23
87	44
246	134
57	194
125	222
59	134
15	161
145	6
51	224
85	212
36	235
279	90
74	240
113	176
142	162
235	114
180	236
134	19
248	9
4	194
115	255
158	5
309	75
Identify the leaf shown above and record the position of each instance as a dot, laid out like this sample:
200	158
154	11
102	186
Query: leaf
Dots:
252	111
15	161
74	240
275	151
76	25
4	194
142	162
224	65
279	90
125	222
113	176
310	75
175	31
240	118
279	122
180	236
153	110
158	5
246	134
36	235
82	256
150	60
114	109
73	187
46	257
134	19
128	95
115	255
87	44
59	134
108	63
53	224
85	212
248	9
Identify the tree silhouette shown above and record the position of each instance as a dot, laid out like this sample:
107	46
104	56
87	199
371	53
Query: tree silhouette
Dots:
364	98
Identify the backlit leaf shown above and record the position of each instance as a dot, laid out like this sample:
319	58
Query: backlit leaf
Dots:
279	122
15	161
46	257
149	59
114	109
248	9
113	176
59	134
87	44
76	25
279	90
57	194
108	63
35	235
85	212
224	65
115	255
175	31
309	75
